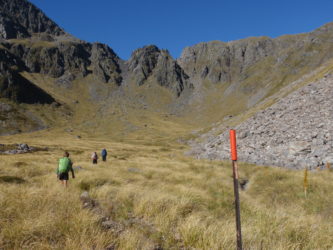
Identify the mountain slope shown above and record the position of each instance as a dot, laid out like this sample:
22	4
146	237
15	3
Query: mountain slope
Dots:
247	71
294	132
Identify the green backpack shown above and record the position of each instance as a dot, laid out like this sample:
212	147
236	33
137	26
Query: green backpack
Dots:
64	165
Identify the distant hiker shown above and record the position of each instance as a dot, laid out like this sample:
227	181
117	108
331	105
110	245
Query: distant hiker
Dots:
64	166
94	158
104	153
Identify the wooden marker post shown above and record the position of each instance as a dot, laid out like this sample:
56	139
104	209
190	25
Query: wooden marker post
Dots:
233	149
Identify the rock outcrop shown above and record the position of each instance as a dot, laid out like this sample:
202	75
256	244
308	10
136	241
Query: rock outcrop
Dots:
151	62
256	67
23	148
142	63
66	58
295	132
55	59
21	19
222	62
105	63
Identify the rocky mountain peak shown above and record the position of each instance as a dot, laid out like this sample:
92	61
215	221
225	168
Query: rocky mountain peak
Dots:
151	62
105	63
21	19
143	61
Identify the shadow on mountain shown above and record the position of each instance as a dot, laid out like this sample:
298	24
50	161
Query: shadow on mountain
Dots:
19	89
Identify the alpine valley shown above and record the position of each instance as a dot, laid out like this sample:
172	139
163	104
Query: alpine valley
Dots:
165	122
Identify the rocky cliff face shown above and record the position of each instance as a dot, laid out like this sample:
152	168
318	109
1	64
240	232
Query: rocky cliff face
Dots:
142	63
151	62
224	62
105	63
21	19
295	132
55	59
257	67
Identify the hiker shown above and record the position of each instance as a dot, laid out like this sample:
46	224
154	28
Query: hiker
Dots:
104	153
94	158
64	166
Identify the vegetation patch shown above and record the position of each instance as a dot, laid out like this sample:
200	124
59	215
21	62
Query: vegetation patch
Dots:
87	185
12	179
20	164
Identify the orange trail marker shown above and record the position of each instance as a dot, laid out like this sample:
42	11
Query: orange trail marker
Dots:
233	150
233	145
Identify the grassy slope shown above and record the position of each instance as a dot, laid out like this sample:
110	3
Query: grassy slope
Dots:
186	202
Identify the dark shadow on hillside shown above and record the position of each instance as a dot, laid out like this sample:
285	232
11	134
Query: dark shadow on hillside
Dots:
19	89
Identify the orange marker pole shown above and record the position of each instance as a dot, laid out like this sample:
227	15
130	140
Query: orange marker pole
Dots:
233	149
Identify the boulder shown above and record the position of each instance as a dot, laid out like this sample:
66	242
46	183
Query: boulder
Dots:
23	147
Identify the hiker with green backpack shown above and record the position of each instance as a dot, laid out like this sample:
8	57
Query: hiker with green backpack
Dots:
65	165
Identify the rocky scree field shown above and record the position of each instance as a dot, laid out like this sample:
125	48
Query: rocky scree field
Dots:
295	132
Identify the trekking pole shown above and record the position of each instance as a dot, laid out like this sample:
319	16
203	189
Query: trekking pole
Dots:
233	147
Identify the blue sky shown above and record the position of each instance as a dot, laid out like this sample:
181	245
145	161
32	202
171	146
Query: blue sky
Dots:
126	25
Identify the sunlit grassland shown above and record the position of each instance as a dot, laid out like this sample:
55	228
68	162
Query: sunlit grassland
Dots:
175	201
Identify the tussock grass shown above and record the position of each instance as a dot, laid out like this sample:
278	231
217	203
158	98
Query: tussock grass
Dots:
160	197
44	216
